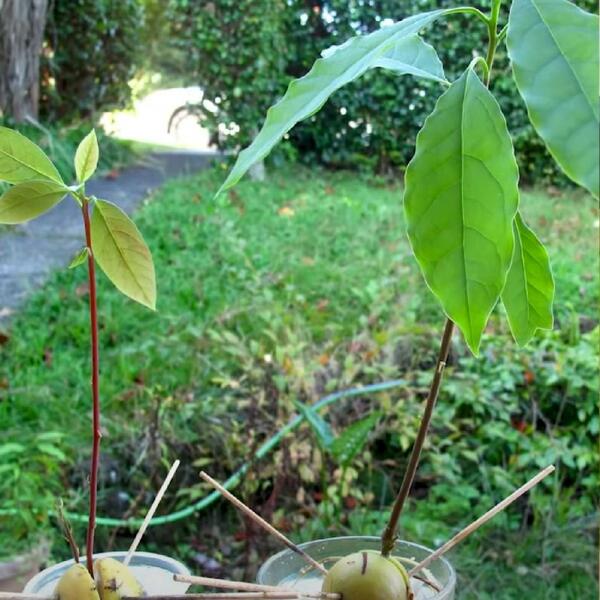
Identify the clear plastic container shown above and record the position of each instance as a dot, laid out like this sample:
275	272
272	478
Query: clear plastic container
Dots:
154	572
288	569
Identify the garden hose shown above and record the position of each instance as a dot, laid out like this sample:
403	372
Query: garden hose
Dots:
236	478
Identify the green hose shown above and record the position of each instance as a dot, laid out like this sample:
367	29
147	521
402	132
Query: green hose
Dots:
236	478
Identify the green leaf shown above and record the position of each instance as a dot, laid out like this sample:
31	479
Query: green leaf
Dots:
52	450
80	258
306	95
21	160
413	56
319	426
529	289
28	200
460	201
86	157
122	254
353	439
11	448
553	46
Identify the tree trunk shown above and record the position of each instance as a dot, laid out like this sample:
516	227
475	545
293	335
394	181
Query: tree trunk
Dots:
22	25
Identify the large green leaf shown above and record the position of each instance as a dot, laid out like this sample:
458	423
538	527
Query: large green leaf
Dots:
121	252
21	160
29	199
413	56
86	157
460	201
529	289
409	56
306	95
553	46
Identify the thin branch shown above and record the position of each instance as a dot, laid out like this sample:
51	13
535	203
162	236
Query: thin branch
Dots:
262	523
469	529
388	539
151	511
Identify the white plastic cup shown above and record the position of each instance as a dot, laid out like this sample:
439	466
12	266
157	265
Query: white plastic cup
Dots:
287	567
153	571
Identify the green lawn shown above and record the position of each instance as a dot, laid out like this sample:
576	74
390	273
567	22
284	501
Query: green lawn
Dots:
282	292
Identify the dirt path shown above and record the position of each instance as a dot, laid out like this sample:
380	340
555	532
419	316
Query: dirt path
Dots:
29	253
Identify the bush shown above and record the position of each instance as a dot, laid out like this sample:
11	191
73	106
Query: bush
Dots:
244	67
236	50
92	48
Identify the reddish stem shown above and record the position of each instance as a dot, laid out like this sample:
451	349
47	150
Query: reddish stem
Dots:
89	544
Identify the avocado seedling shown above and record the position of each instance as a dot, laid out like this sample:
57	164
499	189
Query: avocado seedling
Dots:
113	242
461	198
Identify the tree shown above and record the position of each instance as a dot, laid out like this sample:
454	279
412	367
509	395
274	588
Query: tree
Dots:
22	24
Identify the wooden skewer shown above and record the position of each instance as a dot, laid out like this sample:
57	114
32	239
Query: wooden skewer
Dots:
260	521
150	514
295	595
229	585
250	587
469	529
20	596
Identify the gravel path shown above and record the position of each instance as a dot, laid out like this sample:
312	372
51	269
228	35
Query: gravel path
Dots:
30	252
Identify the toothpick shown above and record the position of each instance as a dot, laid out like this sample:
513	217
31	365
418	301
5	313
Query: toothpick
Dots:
260	521
142	529
469	529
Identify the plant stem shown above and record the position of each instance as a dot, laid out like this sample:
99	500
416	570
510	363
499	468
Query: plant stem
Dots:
89	545
388	539
493	37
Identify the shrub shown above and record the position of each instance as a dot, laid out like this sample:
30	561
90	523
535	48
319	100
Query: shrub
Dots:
236	50
243	65
92	48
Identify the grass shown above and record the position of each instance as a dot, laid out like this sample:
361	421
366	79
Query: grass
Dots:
286	291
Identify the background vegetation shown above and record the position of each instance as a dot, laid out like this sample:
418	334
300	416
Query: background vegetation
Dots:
283	293
371	123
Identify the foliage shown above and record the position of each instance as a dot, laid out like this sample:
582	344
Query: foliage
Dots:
371	123
397	47
255	322
92	50
465	151
463	154
30	483
567	123
241	76
111	239
60	144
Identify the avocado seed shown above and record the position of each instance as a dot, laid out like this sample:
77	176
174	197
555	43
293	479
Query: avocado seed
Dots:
76	584
116	580
368	575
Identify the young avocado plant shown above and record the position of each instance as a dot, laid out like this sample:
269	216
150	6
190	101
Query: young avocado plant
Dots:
114	242
461	196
